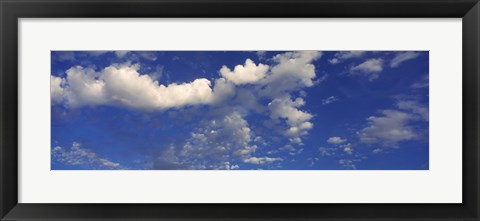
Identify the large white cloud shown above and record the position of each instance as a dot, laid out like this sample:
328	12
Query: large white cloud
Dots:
122	85
245	74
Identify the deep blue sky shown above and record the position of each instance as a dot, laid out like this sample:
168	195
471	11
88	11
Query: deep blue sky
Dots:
302	110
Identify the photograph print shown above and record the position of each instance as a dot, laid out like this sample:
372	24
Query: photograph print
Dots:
239	110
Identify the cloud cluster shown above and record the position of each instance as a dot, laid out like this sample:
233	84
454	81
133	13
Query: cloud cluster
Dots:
265	89
218	142
76	155
327	151
348	163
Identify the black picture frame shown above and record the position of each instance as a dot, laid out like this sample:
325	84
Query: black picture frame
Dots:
12	10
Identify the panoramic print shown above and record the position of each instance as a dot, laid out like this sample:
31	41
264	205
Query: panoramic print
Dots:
239	110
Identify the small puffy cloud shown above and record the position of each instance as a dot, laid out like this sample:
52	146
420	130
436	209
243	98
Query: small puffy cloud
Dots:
76	155
329	100
348	148
388	129
325	151
297	120
293	71
370	68
261	160
249	73
347	164
340	57
377	150
336	140
401	57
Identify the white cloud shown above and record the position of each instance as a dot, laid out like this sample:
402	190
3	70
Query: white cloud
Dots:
340	57
388	129
261	55
336	140
400	57
324	151
370	68
329	100
56	90
293	71
249	73
297	120
83	87
65	55
422	83
76	155
348	164
97	53
219	142
377	150
222	90
395	125
121	54
261	160
122	85
415	107
348	148
148	55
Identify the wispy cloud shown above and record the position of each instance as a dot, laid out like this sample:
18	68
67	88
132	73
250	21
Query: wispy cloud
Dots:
401	57
340	57
370	68
76	155
329	100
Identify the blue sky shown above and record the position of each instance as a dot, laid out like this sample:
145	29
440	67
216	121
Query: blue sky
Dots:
239	110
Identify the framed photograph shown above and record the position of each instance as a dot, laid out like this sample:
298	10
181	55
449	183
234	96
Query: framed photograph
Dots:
239	110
